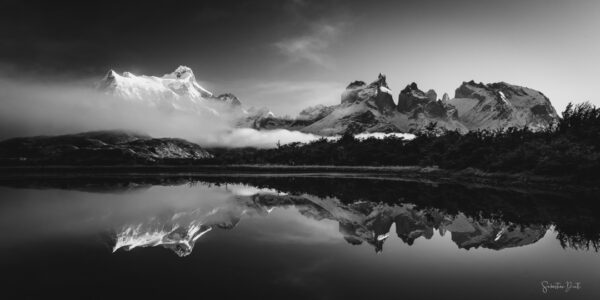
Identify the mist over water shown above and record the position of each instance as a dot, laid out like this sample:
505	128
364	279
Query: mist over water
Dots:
59	108
35	108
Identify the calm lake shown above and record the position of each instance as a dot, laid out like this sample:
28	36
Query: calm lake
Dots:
315	236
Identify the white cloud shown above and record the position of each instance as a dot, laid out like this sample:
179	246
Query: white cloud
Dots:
248	137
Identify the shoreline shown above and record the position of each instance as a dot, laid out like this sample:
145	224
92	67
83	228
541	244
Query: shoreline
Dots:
433	174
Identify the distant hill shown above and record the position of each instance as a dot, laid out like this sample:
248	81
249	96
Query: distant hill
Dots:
98	147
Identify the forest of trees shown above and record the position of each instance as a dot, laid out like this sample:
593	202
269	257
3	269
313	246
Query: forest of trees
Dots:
569	147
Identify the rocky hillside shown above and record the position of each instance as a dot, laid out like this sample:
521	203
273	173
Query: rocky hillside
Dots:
99	147
499	105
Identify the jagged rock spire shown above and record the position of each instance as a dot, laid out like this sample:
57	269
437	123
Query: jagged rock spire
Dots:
431	95
445	98
380	81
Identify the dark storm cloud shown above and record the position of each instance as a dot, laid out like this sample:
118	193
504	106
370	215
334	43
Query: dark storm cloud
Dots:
89	36
243	46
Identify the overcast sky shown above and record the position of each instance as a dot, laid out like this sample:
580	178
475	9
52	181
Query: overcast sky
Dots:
290	54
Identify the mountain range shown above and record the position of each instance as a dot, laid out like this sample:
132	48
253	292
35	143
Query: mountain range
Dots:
363	107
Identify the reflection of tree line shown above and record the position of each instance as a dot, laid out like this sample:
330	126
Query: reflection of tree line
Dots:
576	216
475	217
359	222
371	222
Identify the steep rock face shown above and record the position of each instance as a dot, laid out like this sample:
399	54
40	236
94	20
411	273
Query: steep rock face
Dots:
363	108
445	98
99	147
411	97
431	95
423	108
376	94
413	102
500	105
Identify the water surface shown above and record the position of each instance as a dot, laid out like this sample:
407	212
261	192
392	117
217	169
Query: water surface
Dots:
320	237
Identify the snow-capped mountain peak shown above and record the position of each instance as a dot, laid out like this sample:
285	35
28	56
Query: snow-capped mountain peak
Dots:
177	90
180	83
182	72
110	74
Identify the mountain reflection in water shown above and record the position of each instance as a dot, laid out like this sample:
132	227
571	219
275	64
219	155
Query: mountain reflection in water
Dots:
311	236
359	222
365	210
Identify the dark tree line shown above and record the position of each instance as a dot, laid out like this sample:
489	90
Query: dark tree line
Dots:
570	147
